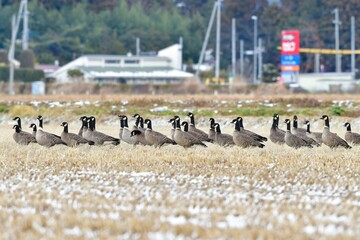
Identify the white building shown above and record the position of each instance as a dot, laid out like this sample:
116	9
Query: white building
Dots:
163	68
327	82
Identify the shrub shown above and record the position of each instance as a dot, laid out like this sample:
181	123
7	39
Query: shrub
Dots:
337	110
27	59
22	74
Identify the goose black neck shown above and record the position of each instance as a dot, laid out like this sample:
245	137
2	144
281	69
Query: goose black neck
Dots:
84	124
17	128
19	122
34	128
308	128
94	123
40	123
192	120
125	122
121	122
173	124
137	121
295	125
91	125
288	126
141	122
237	126
348	128
274	124
241	123
149	126
217	129
212	122
177	123
186	127
66	129
277	121
327	123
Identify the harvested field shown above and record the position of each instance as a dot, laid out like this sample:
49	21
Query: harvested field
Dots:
145	193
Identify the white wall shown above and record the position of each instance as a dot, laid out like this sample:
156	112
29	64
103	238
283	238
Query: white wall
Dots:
174	52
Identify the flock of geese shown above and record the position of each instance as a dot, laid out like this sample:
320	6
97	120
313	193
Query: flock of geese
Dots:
186	134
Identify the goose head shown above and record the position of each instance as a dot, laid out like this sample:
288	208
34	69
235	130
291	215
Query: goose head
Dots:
324	117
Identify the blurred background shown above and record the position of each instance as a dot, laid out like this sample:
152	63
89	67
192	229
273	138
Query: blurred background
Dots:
178	46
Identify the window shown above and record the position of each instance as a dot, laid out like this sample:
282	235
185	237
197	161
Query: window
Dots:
132	61
112	61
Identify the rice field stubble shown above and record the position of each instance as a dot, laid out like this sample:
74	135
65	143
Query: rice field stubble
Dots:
142	192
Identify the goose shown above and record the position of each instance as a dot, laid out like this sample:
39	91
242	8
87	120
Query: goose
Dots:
277	122
33	126
276	135
292	140
19	129
121	127
97	137
350	136
185	139
242	139
203	136
21	137
172	131
45	138
211	134
84	125
185	124
316	136
18	121
139	125
250	133
331	139
222	139
72	139
296	130
126	132
155	138
85	128
302	133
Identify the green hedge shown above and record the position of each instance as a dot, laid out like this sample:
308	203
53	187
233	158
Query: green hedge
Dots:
22	74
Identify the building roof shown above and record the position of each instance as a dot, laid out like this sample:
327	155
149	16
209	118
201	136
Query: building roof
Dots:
102	56
135	72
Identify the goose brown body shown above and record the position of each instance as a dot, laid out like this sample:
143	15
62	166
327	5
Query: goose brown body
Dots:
330	139
185	139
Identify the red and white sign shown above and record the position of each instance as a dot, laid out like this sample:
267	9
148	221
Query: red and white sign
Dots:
290	42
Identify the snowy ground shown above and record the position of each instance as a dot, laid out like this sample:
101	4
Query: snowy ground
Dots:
145	193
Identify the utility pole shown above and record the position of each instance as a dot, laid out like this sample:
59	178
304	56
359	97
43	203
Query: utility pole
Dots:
233	45
255	18
206	40
353	68
181	43
317	63
338	55
25	35
260	59
11	55
138	46
15	23
218	30
242	58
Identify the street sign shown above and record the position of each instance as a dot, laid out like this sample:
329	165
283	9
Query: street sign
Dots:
290	42
290	60
290	68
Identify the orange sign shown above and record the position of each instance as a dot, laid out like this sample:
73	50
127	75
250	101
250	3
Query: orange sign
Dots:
285	68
